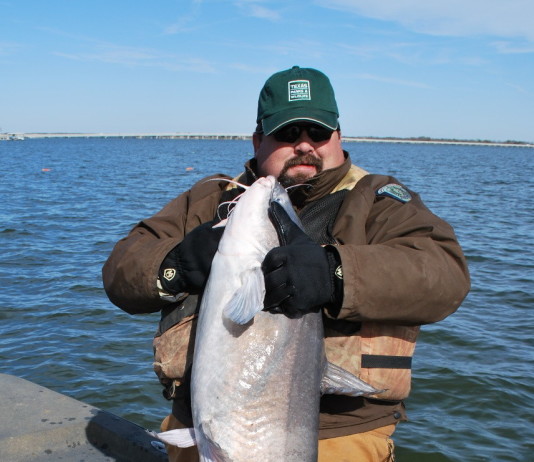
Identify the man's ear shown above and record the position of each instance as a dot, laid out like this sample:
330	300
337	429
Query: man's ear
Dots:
256	140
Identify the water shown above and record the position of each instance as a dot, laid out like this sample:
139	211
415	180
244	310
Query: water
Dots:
66	202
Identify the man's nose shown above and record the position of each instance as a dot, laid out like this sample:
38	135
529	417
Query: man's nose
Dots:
304	144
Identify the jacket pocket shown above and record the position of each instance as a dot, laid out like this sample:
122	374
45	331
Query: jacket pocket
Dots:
379	354
173	351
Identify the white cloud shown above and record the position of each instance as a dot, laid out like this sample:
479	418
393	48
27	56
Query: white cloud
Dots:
140	57
245	67
261	12
301	49
298	49
519	88
505	47
501	18
187	22
255	9
402	52
405	83
9	48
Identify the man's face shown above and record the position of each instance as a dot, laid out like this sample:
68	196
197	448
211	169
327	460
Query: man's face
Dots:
297	161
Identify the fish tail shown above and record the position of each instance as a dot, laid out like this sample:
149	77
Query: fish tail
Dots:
181	437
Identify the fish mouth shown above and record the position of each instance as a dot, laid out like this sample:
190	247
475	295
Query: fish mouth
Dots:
277	191
269	180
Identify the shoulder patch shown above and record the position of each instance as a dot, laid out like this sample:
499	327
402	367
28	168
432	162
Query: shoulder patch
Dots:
395	191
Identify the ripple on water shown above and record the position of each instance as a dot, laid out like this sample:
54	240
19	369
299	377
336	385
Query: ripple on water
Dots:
473	371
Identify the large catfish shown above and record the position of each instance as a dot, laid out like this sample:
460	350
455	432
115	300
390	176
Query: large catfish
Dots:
257	376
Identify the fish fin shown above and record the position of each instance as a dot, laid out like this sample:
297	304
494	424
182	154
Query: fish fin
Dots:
247	301
182	437
338	381
209	450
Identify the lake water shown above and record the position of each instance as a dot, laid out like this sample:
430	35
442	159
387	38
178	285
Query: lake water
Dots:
65	202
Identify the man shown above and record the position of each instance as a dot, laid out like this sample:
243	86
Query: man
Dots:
374	259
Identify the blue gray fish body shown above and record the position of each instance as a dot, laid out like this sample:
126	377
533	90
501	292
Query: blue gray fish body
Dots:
257	376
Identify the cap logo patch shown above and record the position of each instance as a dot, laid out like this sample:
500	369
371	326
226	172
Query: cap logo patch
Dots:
299	90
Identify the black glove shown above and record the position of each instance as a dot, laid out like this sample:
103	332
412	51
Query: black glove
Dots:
300	275
187	266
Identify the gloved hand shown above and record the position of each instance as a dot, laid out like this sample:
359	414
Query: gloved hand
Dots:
187	266
300	275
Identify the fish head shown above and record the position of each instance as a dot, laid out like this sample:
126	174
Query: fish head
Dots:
279	194
248	228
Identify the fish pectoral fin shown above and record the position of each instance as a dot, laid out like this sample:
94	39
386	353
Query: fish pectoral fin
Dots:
338	381
247	301
209	450
182	437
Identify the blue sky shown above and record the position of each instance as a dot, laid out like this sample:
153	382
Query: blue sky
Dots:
451	69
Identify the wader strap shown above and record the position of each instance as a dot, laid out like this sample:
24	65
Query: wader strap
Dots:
172	315
386	362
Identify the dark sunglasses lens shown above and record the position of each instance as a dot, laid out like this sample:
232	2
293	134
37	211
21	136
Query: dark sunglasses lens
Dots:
319	133
288	134
291	133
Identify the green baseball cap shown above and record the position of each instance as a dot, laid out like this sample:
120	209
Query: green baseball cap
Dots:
295	95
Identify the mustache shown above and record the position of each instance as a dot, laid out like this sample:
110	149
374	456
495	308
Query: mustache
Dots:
307	159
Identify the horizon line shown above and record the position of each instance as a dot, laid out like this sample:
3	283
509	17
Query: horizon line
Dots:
240	136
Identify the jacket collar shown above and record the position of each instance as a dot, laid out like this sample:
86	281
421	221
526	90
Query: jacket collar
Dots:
316	187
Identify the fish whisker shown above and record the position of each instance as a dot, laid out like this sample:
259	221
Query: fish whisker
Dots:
237	183
230	204
298	185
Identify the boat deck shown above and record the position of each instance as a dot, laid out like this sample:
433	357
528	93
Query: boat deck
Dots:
41	425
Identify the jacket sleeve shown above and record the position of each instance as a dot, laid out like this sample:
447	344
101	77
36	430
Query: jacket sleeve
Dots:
401	263
131	271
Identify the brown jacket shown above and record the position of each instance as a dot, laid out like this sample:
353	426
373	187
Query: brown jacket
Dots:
402	266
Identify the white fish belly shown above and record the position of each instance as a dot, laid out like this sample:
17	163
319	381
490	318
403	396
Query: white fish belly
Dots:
256	388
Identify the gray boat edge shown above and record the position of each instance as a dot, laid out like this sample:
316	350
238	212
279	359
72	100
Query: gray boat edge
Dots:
39	424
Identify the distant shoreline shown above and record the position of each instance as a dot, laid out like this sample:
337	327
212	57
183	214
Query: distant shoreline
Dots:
225	136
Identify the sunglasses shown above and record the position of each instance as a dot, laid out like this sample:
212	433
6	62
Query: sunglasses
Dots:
291	133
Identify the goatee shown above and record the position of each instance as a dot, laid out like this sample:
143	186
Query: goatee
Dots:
286	180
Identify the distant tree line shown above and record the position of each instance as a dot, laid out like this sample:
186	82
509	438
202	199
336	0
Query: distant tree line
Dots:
441	140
